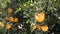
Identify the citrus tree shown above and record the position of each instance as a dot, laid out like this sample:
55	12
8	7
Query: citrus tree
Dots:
18	16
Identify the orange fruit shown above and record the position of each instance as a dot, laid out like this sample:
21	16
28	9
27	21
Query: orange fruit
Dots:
8	26
35	27
16	19
10	10
11	19
40	17
44	28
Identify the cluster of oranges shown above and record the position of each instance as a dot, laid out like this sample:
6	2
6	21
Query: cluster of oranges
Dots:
40	17
11	19
9	26
43	28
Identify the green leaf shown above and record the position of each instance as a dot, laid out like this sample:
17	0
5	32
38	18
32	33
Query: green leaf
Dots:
24	4
25	33
9	1
19	8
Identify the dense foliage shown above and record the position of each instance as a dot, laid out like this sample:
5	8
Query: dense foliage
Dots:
21	16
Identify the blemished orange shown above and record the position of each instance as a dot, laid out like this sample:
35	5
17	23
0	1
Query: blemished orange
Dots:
16	19
40	17
11	19
8	26
10	10
44	28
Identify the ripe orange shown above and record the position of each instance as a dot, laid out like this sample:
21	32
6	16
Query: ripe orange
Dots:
11	19
44	28
16	19
40	17
8	26
10	10
35	27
